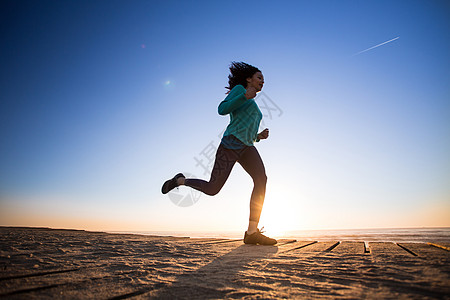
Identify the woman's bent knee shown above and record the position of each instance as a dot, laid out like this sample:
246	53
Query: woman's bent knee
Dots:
212	191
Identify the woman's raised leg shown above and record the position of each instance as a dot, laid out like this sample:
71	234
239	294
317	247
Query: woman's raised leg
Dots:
223	164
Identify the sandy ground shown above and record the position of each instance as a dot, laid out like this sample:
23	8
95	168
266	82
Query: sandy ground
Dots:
68	264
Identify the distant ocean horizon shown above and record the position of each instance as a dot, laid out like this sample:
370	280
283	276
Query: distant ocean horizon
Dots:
419	235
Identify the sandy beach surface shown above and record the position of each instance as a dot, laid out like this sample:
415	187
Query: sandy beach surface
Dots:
39	263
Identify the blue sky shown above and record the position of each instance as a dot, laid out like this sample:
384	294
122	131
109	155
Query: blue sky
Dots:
104	100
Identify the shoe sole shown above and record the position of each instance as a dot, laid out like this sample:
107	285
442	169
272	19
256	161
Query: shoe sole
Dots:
165	188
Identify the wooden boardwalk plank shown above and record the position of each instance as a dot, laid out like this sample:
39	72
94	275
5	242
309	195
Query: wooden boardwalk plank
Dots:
387	249
295	246
348	247
312	247
428	252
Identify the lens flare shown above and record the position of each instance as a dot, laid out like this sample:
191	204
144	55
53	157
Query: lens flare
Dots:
168	84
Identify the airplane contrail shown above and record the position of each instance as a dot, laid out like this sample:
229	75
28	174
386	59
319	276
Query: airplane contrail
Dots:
376	46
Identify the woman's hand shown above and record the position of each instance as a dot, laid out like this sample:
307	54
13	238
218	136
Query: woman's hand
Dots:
250	93
263	134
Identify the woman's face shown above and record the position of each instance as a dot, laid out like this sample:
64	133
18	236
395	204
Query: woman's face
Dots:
256	81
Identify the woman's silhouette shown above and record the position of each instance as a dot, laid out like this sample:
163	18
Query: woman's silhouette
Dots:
237	142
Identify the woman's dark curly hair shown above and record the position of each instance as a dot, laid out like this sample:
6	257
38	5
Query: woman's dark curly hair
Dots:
240	71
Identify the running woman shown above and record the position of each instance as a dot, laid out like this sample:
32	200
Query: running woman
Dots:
237	142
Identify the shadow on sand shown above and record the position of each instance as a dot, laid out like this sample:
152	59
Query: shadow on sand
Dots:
218	278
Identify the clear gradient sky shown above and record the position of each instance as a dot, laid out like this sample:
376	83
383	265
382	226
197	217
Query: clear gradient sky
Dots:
102	101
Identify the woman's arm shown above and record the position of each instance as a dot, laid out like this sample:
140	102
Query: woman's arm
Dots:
234	100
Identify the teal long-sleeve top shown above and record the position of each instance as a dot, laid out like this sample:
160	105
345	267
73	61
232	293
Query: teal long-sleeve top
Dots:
245	116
